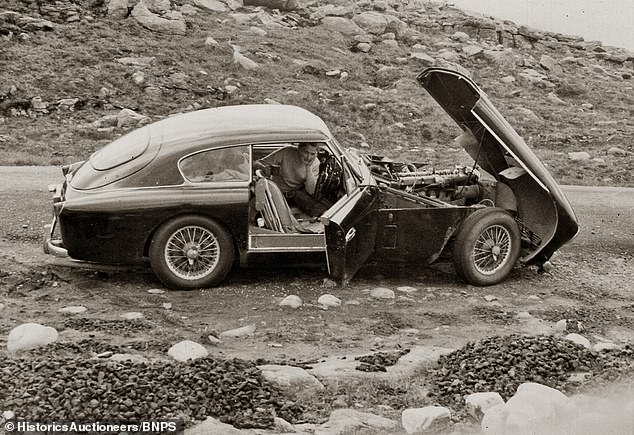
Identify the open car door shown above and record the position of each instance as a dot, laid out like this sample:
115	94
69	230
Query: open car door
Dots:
350	229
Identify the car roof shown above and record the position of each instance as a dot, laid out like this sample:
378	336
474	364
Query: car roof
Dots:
240	120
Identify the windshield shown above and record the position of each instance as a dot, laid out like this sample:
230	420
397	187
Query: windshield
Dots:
122	150
354	163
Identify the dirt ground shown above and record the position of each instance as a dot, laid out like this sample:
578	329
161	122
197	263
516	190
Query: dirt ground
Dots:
591	283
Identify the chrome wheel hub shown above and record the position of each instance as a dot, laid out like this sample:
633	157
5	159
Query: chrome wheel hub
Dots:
192	252
492	249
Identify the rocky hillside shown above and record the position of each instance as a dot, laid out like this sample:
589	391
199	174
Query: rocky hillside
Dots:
75	74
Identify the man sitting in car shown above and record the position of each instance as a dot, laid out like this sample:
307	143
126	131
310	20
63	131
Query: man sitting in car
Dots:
295	170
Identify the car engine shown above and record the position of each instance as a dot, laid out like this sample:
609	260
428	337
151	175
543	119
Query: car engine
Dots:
458	186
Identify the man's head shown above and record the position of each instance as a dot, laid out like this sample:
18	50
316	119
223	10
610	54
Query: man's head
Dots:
308	151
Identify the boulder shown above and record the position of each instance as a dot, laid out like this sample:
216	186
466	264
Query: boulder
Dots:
494	420
387	75
460	37
448	55
188	10
619	152
331	10
186	350
430	419
391	43
604	346
364	47
533	408
396	25
553	98
30	336
479	403
341	25
257	31
347	421
211	5
371	22
423	58
243	61
550	64
117	9
174	25
291	301
579	339
157	6
472	50
130	118
293	381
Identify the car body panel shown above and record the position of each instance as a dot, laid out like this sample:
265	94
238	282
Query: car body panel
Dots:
128	217
415	233
498	147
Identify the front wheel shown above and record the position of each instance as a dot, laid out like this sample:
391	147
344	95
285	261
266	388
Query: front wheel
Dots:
191	252
486	247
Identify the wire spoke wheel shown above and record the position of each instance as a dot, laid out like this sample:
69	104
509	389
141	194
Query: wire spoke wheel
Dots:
492	249
487	246
192	252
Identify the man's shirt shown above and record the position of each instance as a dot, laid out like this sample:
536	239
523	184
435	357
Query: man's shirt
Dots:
294	173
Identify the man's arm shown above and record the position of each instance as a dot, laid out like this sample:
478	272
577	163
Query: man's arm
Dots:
312	172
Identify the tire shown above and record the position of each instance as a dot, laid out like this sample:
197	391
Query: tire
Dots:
486	247
176	258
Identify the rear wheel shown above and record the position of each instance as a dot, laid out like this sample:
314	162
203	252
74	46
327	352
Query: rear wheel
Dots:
191	252
486	247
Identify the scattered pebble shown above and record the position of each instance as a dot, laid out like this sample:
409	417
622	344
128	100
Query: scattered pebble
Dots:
239	332
133	315
382	293
291	301
407	289
214	340
72	310
328	300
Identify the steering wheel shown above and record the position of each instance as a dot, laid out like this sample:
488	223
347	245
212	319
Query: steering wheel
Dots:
329	180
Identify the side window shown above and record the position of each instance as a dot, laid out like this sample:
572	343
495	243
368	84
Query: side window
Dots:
224	164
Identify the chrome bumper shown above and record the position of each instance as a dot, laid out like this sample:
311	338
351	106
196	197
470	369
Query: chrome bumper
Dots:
53	246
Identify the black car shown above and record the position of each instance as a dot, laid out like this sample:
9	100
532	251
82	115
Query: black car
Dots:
181	193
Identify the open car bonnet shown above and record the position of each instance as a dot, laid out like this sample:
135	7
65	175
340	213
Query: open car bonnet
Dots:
499	150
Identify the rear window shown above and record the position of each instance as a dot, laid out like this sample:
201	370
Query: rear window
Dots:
123	150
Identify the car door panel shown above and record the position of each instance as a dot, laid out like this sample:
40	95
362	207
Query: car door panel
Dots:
350	232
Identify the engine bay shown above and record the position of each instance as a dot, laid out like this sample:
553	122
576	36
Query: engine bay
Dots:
458	186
